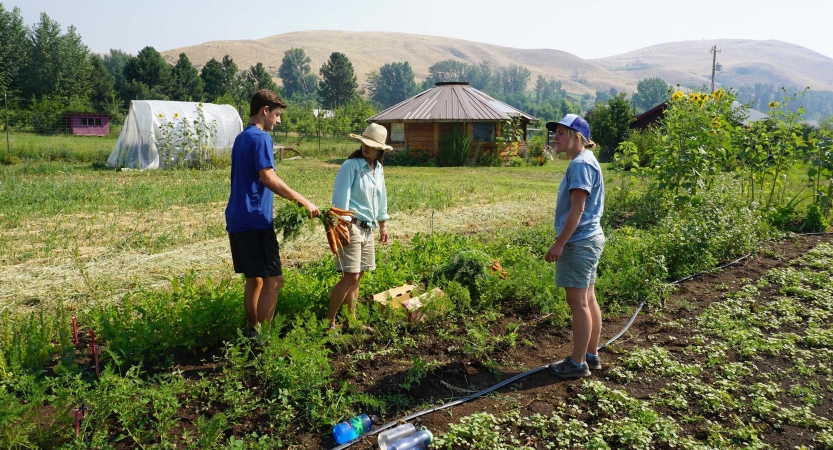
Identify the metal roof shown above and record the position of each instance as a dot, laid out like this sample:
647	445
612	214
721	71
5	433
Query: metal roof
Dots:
450	102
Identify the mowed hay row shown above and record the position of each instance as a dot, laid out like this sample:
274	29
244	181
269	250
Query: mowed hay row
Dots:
107	270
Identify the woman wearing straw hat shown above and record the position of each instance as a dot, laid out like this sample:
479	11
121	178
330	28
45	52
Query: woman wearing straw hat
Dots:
360	187
579	243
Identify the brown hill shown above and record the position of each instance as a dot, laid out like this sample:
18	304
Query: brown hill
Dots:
370	50
744	62
687	63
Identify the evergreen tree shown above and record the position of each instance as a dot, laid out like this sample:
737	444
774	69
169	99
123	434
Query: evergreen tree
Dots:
13	49
147	76
338	84
231	79
393	83
650	92
213	79
102	85
257	78
296	74
58	64
186	82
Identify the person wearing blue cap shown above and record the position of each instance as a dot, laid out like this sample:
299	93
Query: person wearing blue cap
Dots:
579	243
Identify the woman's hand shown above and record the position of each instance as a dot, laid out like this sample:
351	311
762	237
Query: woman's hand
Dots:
383	233
554	252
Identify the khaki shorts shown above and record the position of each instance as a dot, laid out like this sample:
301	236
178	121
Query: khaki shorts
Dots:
576	267
360	254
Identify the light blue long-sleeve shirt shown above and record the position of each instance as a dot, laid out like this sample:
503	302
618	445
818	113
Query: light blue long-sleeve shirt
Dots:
360	190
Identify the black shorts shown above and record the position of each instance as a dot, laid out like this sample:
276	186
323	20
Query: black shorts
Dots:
255	253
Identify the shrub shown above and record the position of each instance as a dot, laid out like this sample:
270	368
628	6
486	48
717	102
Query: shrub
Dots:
454	148
815	221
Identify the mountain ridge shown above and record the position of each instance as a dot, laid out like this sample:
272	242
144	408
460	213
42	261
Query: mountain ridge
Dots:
744	61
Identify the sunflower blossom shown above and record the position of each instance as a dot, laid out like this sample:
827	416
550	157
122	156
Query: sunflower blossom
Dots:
677	96
773	104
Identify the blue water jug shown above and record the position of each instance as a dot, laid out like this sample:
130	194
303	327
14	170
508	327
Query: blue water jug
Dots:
351	429
416	441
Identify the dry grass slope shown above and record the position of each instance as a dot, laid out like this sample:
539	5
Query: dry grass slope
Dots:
686	62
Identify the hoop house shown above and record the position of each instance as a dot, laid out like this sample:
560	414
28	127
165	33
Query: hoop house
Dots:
158	134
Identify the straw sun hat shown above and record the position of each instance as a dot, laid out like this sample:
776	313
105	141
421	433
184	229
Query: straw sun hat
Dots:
374	136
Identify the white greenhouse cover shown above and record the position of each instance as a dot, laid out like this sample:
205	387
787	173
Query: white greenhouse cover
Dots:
144	128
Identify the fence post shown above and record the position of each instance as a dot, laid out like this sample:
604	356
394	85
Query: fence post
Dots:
6	105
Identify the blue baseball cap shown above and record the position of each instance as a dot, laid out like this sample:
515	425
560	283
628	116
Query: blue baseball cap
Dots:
574	122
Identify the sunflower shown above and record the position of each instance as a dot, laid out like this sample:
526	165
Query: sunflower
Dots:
176	115
716	123
712	132
200	104
773	104
694	97
161	116
718	94
677	96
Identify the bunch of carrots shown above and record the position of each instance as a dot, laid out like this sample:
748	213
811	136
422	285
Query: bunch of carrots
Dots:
338	233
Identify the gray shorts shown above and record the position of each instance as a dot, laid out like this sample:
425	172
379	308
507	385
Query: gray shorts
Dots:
576	267
360	254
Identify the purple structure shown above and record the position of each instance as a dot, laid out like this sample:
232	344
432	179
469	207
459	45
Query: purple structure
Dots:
88	124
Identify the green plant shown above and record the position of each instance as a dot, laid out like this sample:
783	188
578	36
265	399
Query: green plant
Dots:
454	148
417	372
186	142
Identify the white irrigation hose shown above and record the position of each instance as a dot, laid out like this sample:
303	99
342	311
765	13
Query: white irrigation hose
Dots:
529	372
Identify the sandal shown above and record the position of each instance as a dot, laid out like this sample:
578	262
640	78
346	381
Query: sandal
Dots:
332	331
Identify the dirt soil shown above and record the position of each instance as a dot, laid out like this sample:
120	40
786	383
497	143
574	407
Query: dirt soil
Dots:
459	375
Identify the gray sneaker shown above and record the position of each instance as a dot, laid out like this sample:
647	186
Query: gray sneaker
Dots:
594	362
566	369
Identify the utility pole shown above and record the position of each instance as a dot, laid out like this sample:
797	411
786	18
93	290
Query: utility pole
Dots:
714	51
6	104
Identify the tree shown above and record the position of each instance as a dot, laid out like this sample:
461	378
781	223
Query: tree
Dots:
213	77
220	78
338	84
147	76
515	79
448	70
393	83
609	124
13	46
186	84
230	78
102	85
115	62
257	78
650	92
58	63
295	74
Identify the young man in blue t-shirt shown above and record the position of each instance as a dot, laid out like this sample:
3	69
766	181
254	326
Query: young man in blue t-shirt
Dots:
254	246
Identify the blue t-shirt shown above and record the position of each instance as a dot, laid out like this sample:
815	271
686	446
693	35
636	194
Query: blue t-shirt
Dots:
250	203
583	173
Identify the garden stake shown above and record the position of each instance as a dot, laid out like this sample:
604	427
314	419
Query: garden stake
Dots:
95	353
75	330
77	421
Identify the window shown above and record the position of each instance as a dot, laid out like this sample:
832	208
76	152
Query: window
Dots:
90	121
484	132
397	132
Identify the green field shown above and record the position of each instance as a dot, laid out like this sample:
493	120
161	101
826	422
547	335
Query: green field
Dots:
141	258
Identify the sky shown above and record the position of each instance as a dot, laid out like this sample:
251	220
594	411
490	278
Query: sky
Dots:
589	28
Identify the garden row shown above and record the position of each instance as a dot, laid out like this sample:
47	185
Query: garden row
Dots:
277	395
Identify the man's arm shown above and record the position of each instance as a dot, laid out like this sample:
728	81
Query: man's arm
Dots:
274	183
